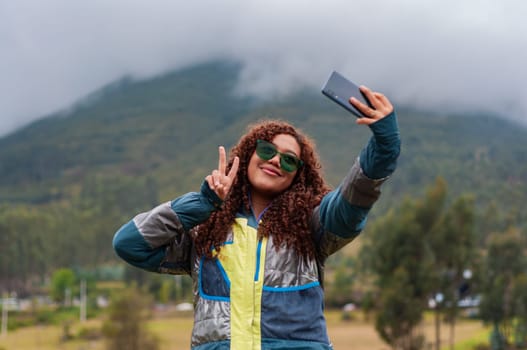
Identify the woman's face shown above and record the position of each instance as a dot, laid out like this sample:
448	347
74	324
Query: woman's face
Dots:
266	177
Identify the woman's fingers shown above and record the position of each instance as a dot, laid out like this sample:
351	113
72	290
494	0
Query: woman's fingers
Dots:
222	159
216	177
234	169
380	103
218	180
210	182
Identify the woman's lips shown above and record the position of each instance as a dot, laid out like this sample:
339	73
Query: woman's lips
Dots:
271	171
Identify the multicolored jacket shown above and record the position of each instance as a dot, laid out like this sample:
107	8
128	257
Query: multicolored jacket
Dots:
251	295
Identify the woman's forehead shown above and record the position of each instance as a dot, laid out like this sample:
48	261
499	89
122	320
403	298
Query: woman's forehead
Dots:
286	143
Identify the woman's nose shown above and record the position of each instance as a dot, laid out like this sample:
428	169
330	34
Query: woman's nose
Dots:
275	160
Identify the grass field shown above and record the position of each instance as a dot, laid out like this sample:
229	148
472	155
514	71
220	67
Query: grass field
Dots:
174	333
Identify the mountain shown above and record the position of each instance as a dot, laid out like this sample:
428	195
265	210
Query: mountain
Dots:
166	130
69	180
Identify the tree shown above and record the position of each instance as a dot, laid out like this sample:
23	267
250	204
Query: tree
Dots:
124	328
520	308
399	313
62	281
453	244
399	254
339	287
503	276
21	237
416	252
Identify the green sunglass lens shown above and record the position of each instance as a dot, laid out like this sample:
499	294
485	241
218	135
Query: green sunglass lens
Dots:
267	151
289	163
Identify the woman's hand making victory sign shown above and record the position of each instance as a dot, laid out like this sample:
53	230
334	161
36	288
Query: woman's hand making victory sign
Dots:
219	181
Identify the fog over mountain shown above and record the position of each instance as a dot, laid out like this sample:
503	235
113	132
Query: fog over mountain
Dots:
443	55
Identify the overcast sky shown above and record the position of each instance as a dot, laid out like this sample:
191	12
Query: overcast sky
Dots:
460	55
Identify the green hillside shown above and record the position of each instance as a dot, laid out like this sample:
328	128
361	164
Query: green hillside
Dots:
125	128
135	143
168	127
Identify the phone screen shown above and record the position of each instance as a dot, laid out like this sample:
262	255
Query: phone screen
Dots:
340	89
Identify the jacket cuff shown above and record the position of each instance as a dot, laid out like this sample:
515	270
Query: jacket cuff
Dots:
210	195
386	130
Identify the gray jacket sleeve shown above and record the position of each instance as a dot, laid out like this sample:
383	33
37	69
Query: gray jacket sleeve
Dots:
160	239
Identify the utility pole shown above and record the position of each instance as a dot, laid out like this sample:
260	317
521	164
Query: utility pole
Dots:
4	316
179	288
83	301
67	297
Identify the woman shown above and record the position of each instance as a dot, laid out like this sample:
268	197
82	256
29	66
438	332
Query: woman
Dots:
255	238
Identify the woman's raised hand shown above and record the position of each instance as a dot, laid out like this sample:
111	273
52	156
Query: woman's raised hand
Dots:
218	180
382	107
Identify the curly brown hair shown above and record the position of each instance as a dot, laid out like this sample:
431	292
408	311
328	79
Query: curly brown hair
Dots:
287	218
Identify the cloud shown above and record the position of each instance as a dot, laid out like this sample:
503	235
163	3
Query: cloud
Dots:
443	55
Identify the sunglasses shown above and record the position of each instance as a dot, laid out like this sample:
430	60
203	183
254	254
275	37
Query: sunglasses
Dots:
266	151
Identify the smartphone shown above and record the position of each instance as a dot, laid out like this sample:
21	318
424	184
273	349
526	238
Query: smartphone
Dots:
340	90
